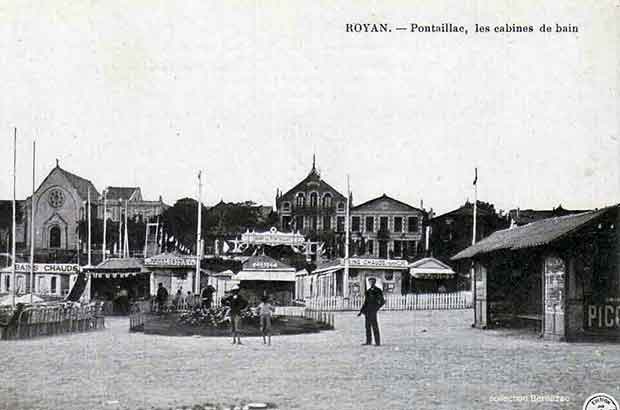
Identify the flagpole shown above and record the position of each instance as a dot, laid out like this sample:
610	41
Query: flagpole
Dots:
119	248
473	242
32	226
345	281
89	230
103	247
473	239
126	240
13	251
198	240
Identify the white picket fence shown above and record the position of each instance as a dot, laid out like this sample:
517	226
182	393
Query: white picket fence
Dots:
413	301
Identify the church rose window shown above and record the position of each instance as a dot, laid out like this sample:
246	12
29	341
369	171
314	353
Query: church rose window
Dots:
56	198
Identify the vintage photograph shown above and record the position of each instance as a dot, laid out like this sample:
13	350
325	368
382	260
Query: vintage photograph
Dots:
225	205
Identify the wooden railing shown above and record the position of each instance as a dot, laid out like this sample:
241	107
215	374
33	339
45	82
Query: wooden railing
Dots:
422	301
50	320
138	312
326	318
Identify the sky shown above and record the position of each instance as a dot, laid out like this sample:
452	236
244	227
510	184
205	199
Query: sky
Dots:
146	93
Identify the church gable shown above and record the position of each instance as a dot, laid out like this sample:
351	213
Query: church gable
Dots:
53	183
78	186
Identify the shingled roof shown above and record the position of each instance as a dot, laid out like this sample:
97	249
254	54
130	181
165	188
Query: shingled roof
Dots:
80	184
531	235
118	192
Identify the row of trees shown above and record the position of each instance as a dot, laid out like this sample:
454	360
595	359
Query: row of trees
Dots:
179	221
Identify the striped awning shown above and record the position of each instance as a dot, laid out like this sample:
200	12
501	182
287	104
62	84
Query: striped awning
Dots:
430	268
109	274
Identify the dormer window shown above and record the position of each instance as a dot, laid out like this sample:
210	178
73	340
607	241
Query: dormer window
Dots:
327	200
314	199
300	199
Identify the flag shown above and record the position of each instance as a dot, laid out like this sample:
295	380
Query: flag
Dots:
475	176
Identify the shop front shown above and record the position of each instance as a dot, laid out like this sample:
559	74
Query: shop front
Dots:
117	282
50	279
265	276
560	275
388	273
430	275
175	271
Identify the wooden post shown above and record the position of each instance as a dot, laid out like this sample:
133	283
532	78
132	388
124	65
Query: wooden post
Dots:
32	232
13	253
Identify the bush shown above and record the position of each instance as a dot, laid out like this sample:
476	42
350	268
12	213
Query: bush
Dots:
215	317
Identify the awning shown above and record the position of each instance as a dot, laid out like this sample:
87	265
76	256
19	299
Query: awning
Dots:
328	271
431	273
117	268
266	276
430	268
116	274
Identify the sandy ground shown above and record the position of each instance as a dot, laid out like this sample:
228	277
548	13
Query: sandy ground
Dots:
448	366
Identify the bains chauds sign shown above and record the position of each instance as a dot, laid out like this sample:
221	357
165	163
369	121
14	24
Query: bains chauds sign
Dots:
51	268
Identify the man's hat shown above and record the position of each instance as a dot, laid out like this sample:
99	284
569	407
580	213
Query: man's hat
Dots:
372	279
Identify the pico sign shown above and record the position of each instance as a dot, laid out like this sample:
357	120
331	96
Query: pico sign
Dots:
603	316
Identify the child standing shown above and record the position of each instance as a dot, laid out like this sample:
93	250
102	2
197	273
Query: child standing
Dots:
265	310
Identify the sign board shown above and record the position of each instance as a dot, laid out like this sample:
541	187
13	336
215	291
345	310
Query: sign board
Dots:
604	315
264	265
273	237
554	284
173	261
59	268
378	263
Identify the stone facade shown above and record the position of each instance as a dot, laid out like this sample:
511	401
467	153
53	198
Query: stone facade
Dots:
137	207
311	206
60	203
387	228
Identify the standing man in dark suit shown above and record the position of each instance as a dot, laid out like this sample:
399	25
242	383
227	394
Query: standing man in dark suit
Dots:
372	303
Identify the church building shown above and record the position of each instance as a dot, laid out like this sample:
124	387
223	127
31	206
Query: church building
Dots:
60	203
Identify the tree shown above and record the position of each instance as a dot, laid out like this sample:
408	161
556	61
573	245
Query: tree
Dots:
136	229
181	219
6	221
